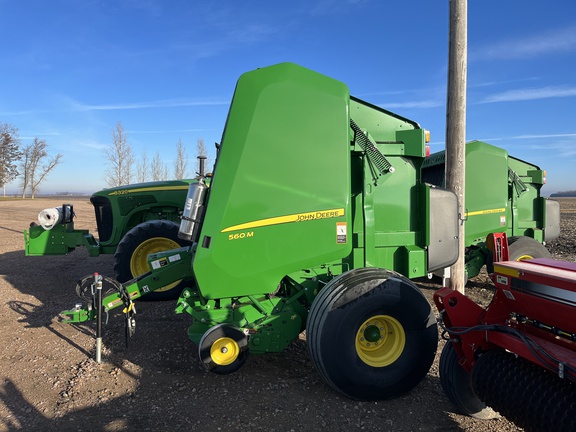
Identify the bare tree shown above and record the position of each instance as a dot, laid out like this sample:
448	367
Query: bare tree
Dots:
181	162
158	168
142	173
35	167
201	151
120	156
10	154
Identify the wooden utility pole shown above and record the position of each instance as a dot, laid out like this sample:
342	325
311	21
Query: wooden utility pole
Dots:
456	126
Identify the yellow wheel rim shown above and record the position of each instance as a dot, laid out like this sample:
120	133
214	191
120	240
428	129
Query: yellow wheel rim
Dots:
139	263
224	351
380	340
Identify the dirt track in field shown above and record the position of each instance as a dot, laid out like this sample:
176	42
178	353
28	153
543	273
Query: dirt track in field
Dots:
49	380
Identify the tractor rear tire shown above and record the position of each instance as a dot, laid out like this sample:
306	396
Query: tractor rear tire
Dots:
521	248
457	385
142	240
371	334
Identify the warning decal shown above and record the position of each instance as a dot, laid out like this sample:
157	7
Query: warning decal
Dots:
341	232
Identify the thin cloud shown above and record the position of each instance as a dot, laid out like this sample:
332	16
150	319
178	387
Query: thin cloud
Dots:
497	83
563	149
164	131
566	135
531	94
17	113
414	104
81	107
254	33
560	144
94	145
326	7
151	104
28	135
563	40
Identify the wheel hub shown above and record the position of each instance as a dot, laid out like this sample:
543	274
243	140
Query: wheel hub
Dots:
380	340
372	333
224	351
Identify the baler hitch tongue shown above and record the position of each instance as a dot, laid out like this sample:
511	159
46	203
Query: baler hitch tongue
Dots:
96	291
78	314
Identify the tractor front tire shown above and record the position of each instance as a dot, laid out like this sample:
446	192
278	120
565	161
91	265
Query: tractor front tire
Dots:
130	259
457	385
371	334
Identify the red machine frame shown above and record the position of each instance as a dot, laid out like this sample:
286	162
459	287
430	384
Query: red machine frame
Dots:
532	314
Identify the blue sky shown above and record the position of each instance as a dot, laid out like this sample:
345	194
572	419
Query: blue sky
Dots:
167	70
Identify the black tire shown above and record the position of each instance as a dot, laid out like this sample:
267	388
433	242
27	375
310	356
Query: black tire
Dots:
457	385
521	248
226	336
132	249
354	301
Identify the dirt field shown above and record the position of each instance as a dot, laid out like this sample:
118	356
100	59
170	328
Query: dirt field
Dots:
51	382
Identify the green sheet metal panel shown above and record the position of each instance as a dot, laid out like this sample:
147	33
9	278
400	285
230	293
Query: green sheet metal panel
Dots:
528	207
280	196
487	207
487	191
390	211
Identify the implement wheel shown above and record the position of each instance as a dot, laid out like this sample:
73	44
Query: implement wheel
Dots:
521	248
371	334
457	385
130	259
524	248
223	349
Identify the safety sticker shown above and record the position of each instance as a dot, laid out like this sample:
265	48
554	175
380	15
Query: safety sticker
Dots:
502	220
162	262
341	232
174	258
503	280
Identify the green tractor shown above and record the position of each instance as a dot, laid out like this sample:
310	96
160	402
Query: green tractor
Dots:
317	218
133	221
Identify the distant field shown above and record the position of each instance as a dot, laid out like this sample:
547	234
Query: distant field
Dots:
567	205
59	198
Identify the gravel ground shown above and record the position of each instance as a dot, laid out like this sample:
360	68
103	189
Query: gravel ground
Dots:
50	380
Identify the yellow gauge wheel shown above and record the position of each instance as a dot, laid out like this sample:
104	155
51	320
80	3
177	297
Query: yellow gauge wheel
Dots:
380	340
224	351
138	260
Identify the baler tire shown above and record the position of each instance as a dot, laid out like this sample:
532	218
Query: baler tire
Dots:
231	368
349	312
457	385
229	337
164	236
521	248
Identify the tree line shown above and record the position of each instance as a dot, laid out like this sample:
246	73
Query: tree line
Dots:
32	164
124	168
